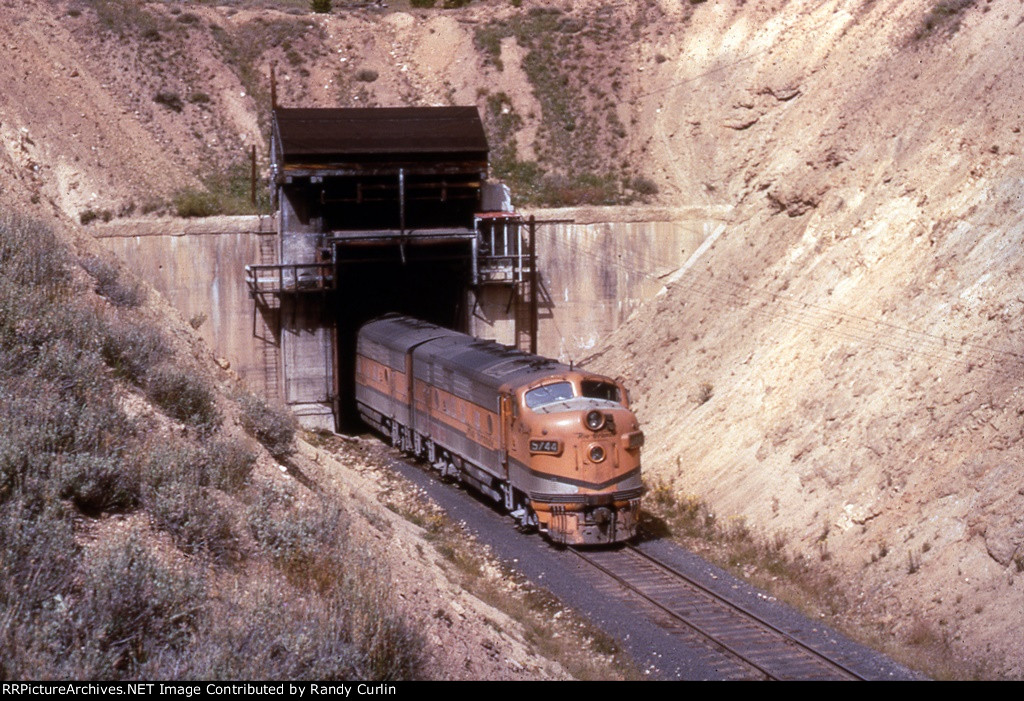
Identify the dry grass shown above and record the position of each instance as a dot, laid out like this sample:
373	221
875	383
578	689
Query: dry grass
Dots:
808	583
581	648
124	548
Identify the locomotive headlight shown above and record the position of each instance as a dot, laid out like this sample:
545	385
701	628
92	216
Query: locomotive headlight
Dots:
596	453
595	420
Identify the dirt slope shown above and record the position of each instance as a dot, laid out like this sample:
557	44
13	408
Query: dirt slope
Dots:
855	331
843	365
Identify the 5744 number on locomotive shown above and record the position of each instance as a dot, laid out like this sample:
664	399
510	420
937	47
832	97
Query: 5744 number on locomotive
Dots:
557	446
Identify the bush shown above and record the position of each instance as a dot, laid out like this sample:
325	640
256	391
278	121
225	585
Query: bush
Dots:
226	192
134	611
90	215
228	464
311	548
261	639
320	5
184	397
944	15
110	285
99	483
643	186
198	524
302	543
170	100
273	426
367	75
190	202
31	254
221	463
131	350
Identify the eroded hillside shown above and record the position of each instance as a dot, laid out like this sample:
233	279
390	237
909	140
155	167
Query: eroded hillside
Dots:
842	367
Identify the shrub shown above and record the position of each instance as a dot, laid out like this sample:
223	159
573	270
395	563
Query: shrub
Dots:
90	215
179	460
301	542
423	3
99	483
190	202
228	464
643	186
261	639
223	192
367	75
37	554
273	426
320	5
170	100
131	350
183	396
944	15
110	285
198	524
30	253
311	548
133	610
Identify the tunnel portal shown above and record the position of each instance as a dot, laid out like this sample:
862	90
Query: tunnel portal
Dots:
380	210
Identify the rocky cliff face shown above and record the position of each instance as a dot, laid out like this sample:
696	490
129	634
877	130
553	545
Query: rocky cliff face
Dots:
857	326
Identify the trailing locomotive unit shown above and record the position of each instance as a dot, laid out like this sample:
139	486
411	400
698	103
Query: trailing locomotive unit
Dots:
557	446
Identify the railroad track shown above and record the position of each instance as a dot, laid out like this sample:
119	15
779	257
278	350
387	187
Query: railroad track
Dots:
748	647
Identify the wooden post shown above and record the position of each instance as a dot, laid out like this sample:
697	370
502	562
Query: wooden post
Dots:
273	87
253	175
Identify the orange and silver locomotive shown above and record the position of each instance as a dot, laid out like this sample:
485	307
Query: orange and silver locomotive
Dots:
558	447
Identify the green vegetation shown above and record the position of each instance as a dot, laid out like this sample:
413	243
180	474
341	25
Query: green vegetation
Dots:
243	46
98	416
322	6
228	192
579	124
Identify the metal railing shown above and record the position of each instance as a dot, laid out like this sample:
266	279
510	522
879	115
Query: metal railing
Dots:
289	277
502	254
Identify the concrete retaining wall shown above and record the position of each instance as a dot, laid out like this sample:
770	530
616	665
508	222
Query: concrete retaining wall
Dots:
597	266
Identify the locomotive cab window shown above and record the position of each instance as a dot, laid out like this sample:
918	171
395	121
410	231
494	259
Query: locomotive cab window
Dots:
599	389
549	394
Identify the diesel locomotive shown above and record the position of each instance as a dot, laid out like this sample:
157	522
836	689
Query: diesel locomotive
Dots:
558	447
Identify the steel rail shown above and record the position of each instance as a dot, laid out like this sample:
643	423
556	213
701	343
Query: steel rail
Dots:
709	634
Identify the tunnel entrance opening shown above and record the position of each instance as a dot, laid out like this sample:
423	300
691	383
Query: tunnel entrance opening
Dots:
429	281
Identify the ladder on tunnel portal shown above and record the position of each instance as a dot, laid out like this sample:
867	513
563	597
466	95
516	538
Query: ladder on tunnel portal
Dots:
267	324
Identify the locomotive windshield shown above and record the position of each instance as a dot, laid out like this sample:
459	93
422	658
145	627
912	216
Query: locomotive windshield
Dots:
548	394
598	389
